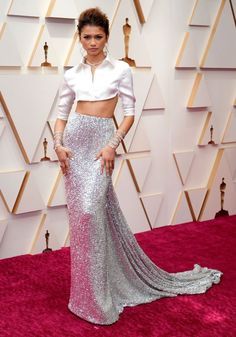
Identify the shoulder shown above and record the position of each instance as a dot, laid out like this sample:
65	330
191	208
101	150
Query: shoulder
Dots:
70	72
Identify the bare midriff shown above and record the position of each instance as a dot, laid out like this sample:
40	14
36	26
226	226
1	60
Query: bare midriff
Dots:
104	108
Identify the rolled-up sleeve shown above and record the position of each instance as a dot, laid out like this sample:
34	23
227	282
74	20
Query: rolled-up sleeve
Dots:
66	100
126	92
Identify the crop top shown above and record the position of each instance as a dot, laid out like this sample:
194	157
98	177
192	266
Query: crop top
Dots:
111	77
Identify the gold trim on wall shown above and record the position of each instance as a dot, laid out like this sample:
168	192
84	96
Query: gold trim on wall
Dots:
39	229
21	192
205	126
228	123
36	45
212	34
194	90
139	11
10	120
54	189
181	52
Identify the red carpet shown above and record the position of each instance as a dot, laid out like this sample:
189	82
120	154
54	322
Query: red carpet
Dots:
35	289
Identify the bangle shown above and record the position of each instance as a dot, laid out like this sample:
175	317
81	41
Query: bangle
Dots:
57	139
115	141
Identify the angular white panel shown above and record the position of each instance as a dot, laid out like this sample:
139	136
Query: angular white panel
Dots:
137	45
142	81
62	9
29	113
57	197
182	212
183	161
140	140
37	56
197	196
187	54
25	8
9	55
199	96
31	200
146	6
221	51
3	226
18	235
2	127
230	155
10	184
200	15
56	222
45	145
205	136
129	202
154	98
230	130
152	203
141	166
213	204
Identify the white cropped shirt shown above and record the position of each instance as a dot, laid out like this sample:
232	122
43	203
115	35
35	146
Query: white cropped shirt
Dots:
112	77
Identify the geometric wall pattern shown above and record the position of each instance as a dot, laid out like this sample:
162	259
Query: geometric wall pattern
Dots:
166	171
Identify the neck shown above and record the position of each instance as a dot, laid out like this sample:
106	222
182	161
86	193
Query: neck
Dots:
95	59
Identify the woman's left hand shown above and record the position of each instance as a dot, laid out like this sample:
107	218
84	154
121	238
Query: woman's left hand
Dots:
107	155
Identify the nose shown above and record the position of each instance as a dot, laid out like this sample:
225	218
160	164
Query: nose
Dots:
93	42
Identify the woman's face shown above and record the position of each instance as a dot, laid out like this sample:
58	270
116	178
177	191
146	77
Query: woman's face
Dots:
93	39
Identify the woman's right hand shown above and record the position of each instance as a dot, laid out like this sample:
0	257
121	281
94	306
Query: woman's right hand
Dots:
63	154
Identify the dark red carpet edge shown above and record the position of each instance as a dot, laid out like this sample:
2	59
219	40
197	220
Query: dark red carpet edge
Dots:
34	289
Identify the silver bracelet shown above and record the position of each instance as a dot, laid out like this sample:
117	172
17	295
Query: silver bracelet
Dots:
57	139
116	139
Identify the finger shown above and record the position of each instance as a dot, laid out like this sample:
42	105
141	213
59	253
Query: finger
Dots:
98	155
102	165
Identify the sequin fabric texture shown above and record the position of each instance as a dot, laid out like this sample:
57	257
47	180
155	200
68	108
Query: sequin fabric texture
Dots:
109	270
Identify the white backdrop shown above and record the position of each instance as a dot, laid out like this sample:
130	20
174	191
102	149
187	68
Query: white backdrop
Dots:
184	81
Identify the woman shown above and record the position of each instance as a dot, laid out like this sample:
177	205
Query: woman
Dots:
108	268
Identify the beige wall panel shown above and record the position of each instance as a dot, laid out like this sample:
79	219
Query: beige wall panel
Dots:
229	135
230	154
136	40
109	7
141	166
10	185
57	197
200	15
212	205
154	98
182	212
29	198
50	153
152	205
133	211
33	8
142	81
199	96
56	222
140	140
196	199
9	54
62	9
45	174
25	111
183	161
143	8
3	226
2	127
220	51
18	235
187	55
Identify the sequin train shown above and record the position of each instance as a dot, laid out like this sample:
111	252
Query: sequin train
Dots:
109	270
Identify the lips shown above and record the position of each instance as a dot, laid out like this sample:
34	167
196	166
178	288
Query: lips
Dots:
93	49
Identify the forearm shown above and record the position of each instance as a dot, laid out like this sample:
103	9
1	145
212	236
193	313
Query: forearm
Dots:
58	132
121	132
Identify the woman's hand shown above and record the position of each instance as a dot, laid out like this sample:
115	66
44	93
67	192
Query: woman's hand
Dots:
107	160
63	154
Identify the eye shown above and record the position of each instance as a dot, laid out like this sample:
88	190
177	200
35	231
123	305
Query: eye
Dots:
99	37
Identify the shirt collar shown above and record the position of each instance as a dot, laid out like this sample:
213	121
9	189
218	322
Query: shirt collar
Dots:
108	59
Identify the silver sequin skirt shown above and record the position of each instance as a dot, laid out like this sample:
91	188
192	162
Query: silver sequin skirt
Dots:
109	270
